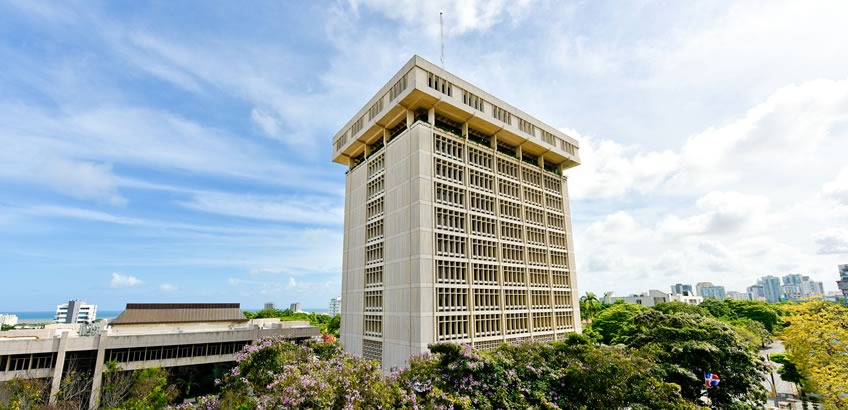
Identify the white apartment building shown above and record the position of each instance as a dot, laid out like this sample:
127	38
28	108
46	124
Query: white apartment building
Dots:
335	306
457	223
75	311
8	320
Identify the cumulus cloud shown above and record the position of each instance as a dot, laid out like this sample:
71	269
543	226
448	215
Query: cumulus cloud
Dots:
722	212
609	169
832	241
124	281
167	287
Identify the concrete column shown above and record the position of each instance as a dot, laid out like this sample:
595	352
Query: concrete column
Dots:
385	136
56	383
410	118
431	115
94	399
465	129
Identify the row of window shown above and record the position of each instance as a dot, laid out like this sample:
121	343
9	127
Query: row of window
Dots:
456	299
374	301
372	325
456	272
455	327
374	230
144	354
451	148
454	196
19	362
372	350
376	165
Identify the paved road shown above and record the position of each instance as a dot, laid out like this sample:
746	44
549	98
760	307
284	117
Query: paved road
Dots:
786	391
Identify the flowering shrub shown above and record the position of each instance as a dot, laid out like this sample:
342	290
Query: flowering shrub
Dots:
277	374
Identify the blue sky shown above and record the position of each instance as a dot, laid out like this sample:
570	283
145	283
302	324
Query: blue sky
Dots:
180	151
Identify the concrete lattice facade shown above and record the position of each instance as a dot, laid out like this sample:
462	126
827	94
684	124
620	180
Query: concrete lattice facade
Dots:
457	224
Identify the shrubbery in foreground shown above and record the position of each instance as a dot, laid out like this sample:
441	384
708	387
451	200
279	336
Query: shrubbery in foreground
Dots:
276	374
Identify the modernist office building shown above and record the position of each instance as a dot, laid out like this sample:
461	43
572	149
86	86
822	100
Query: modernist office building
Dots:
457	224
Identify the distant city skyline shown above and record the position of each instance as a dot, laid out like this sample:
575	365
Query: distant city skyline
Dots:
164	152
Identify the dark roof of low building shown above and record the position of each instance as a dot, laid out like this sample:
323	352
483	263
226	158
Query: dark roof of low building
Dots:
149	313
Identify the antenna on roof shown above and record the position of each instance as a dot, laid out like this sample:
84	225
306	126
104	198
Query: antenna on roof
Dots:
442	34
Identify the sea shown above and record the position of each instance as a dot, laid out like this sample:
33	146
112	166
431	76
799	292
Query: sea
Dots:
47	316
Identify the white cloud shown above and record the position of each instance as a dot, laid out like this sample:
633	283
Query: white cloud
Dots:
167	287
609	169
266	121
832	241
722	212
459	16
124	281
78	179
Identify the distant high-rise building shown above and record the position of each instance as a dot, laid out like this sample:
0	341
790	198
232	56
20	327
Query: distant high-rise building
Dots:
771	288
756	292
713	292
75	311
457	223
816	288
295	307
843	282
701	285
269	306
679	289
796	287
335	306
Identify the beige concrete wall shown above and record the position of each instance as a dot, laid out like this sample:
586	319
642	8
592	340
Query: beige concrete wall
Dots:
408	290
353	264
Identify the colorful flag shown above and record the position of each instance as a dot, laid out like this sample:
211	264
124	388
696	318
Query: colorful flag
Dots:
711	379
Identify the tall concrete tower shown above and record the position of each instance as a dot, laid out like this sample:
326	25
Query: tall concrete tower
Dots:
457	224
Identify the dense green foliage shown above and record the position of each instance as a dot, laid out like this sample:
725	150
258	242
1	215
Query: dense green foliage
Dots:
607	326
688	346
327	324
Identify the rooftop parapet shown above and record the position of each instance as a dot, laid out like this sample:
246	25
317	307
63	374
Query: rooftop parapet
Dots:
420	87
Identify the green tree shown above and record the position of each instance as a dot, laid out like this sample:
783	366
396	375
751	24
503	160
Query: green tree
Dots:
769	315
150	390
334	325
589	304
613	320
680	307
688	346
787	370
719	309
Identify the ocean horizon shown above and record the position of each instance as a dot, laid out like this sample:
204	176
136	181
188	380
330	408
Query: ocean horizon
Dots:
47	316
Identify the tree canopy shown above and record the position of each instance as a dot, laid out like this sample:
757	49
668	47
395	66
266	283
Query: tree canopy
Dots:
816	341
688	346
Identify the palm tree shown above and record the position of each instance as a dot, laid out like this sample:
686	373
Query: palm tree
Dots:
588	306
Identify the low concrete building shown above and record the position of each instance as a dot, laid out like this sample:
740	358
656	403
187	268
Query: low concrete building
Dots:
143	336
687	298
650	298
